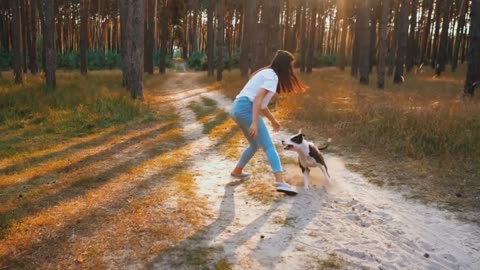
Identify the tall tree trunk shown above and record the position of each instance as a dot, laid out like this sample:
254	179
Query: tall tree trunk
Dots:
458	37
135	28
356	43
196	7
84	10
402	42
210	37
16	40
273	39
364	42
43	31
123	7
23	23
395	38
32	46
296	29
426	30
412	43
303	38
249	22
50	68
287	27
382	44
311	38
164	28
473	71
436	35
375	6
149	35
343	40
443	49
220	37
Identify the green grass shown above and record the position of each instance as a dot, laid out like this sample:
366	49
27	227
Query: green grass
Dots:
33	118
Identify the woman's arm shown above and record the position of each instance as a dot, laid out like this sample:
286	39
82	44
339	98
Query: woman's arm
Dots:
253	131
266	112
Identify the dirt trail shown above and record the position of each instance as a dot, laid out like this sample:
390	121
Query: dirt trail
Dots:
363	225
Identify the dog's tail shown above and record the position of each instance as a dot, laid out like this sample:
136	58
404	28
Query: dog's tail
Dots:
325	146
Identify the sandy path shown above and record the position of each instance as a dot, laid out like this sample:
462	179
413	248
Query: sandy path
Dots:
362	224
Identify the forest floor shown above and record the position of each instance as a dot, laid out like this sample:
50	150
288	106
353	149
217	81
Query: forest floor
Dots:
158	195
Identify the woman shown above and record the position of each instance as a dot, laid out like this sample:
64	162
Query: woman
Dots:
252	102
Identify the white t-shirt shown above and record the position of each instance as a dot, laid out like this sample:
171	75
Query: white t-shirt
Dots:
266	79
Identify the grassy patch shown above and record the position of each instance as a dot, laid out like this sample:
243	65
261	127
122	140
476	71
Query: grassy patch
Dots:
33	118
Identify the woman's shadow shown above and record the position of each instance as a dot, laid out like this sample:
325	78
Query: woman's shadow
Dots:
179	256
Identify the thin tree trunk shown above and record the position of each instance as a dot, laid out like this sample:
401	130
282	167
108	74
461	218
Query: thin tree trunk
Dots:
124	13
458	37
473	71
443	50
382	44
375	6
426	34
434	49
311	40
402	42
356	45
149	36
249	8
24	41
32	62
364	42
16	39
50	68
196	7
220	37
273	39
303	38
210	37
84	10
43	30
412	43
343	39
164	28
135	27
395	38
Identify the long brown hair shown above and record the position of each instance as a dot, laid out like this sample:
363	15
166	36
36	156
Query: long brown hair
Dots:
288	81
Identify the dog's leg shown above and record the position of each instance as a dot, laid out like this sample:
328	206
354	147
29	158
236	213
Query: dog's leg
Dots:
305	172
325	172
306	180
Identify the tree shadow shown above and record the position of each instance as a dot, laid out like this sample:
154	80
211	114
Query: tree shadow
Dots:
82	185
36	180
76	146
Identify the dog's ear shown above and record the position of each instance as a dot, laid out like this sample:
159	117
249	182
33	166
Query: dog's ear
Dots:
300	132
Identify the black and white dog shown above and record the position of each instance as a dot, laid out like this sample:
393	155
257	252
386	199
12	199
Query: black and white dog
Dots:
309	155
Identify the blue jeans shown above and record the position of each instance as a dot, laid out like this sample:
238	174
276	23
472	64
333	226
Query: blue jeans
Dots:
242	113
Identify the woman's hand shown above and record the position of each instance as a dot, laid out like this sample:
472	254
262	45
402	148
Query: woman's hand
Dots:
253	130
276	125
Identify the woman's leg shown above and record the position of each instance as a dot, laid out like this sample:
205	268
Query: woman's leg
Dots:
264	140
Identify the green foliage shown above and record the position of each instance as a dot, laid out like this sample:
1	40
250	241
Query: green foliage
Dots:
325	60
199	60
5	59
156	59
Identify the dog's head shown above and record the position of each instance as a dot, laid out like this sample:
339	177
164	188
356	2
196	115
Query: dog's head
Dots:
295	142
